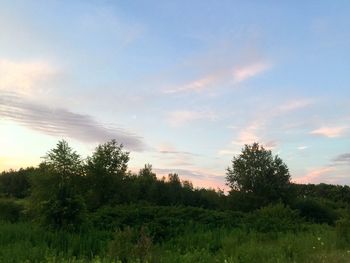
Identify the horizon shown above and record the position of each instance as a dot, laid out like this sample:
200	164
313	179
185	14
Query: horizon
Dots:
183	86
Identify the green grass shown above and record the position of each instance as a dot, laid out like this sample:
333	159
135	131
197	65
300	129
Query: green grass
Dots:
26	242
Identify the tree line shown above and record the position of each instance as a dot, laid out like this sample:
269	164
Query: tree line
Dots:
64	188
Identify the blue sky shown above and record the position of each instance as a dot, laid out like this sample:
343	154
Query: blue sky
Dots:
182	84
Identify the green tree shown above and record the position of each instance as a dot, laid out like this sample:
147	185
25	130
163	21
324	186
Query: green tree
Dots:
56	198
109	158
106	170
257	172
63	160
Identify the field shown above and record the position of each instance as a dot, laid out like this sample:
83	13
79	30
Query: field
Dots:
169	239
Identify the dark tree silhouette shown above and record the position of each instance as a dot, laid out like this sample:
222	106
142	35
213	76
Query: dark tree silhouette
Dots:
257	172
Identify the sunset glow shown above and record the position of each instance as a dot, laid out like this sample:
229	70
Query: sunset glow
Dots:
182	85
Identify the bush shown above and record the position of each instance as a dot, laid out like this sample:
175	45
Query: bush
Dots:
342	228
316	212
10	211
66	210
274	218
129	243
163	222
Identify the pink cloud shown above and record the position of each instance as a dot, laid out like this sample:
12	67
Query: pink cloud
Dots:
196	85
314	175
330	132
249	71
236	75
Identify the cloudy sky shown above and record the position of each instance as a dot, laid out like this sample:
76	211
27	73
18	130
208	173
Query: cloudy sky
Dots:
182	84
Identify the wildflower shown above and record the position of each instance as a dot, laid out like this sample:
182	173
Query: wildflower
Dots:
318	238
313	247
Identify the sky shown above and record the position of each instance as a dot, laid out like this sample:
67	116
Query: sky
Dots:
183	85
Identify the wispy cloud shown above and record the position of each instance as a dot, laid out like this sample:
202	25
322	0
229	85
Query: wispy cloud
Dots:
24	76
342	159
295	105
228	76
246	72
316	175
171	156
249	134
181	117
63	123
195	85
331	132
302	148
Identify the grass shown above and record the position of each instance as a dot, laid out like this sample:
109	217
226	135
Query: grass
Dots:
26	242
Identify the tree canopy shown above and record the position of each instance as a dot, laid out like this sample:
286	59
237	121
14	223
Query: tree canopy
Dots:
256	171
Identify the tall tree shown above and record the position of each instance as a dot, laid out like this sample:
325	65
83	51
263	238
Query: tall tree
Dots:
109	158
63	160
256	171
55	194
106	170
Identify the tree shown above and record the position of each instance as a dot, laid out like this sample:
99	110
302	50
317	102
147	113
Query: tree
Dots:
257	172
109	158
63	160
55	195
106	170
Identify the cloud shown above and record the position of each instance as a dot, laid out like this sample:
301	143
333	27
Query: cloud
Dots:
249	134
295	105
342	159
62	122
181	117
331	132
169	155
196	85
24	76
316	175
249	71
302	148
231	76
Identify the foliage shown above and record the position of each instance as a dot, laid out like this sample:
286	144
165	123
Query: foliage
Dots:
16	183
257	171
105	170
10	210
65	210
158	219
343	232
316	211
109	158
55	198
130	244
26	242
274	219
63	161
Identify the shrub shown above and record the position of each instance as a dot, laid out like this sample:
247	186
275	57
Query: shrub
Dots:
66	210
10	211
342	228
130	244
274	218
316	212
